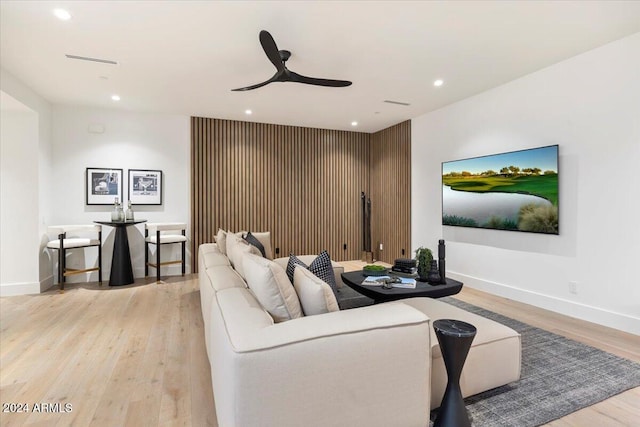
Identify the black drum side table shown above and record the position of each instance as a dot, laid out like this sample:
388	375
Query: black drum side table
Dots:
455	338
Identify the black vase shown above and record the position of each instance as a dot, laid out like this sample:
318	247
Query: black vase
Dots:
434	275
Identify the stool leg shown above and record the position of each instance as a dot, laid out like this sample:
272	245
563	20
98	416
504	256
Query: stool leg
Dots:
100	262
158	256
183	257
146	259
60	269
63	253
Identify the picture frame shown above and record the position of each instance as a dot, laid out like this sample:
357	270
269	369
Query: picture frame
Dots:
145	187
103	185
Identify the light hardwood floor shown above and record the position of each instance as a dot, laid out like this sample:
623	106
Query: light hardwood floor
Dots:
135	356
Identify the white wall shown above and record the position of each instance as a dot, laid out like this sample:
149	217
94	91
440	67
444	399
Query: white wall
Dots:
30	269
590	106
129	141
19	213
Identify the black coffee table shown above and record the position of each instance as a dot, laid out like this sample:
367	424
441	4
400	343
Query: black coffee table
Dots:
379	294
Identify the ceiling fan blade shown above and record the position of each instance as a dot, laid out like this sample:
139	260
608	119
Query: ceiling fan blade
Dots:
295	77
271	49
256	86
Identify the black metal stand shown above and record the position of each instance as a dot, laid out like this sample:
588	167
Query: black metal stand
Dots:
455	338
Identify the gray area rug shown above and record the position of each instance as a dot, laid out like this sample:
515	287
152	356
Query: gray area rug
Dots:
559	376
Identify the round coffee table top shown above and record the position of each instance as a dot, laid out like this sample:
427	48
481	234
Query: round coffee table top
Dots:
456	328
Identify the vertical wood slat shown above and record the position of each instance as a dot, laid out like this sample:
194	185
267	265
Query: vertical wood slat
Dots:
302	184
390	181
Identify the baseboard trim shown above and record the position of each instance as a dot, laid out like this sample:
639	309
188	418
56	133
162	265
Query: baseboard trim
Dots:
21	288
580	311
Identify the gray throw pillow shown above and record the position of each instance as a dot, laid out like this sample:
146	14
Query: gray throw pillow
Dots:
252	240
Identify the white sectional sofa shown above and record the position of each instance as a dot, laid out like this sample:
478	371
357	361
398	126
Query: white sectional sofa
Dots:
371	366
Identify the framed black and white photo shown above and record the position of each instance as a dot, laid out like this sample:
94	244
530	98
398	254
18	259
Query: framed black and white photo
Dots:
145	187
103	186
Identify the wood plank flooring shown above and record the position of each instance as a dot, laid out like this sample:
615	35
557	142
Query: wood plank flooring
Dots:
135	356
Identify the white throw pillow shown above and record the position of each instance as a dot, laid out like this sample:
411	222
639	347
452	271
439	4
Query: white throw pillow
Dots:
270	284
221	240
316	296
239	249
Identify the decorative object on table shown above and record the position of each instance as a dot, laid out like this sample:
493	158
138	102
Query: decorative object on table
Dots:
367	255
434	276
145	187
515	191
441	262
128	215
374	270
404	266
117	214
455	338
102	185
424	256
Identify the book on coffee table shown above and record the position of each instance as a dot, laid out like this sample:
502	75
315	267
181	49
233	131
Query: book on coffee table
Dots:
405	282
375	280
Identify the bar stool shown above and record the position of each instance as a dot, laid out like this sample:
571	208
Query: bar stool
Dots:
63	243
162	233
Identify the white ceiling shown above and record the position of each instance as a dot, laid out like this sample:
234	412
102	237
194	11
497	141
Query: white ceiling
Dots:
184	56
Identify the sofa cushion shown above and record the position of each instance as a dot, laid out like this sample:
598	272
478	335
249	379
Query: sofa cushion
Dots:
209	255
321	267
221	240
252	240
269	283
224	277
315	295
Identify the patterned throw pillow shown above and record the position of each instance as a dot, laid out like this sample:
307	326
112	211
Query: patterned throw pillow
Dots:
321	267
252	240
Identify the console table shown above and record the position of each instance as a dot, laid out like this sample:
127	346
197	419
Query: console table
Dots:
379	294
121	270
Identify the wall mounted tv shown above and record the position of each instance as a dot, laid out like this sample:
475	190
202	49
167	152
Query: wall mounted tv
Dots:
515	191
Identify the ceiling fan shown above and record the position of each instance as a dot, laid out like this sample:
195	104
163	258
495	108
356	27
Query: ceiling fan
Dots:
283	74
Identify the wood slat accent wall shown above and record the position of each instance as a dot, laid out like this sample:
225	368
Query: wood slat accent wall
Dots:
390	183
302	184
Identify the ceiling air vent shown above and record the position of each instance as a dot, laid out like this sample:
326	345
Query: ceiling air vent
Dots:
406	104
86	58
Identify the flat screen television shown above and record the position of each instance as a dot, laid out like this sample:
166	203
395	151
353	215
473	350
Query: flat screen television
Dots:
515	191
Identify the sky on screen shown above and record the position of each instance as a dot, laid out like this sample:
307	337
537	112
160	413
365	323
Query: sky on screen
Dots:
545	158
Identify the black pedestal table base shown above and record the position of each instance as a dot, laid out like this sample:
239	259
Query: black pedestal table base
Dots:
455	338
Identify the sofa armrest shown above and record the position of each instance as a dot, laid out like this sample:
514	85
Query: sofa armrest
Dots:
362	367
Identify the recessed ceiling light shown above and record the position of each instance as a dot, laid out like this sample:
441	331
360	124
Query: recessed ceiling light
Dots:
354	123
438	83
115	97
248	112
62	14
